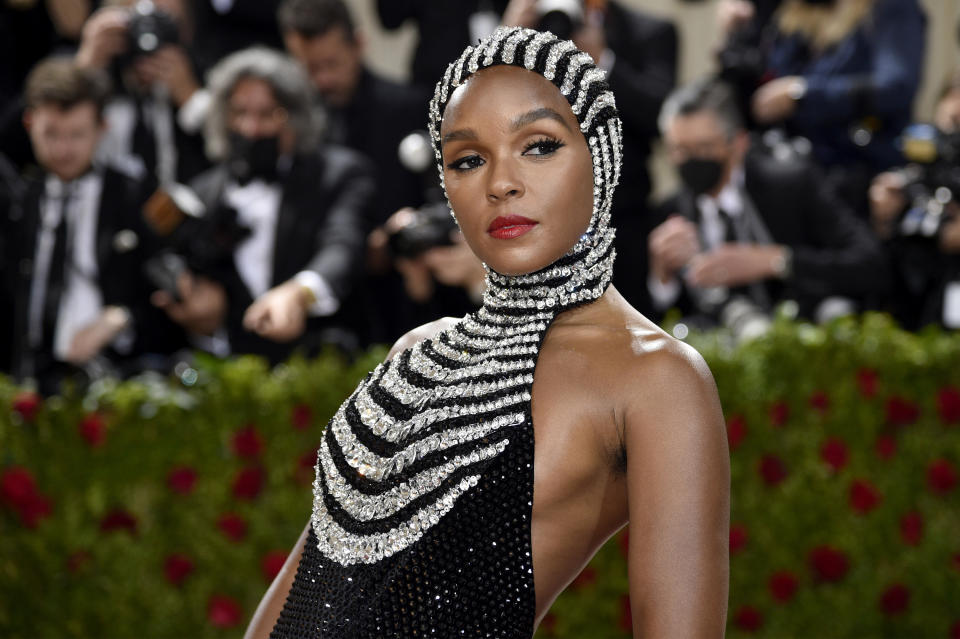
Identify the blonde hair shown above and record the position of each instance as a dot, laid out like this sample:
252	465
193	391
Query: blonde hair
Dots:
823	26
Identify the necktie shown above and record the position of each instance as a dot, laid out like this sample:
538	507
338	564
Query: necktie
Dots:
48	274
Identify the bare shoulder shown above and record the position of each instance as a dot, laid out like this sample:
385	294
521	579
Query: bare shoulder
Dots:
422	332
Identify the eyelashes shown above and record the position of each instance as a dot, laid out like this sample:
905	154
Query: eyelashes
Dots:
544	147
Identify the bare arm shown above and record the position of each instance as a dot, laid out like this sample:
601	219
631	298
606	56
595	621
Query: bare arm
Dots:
678	477
271	605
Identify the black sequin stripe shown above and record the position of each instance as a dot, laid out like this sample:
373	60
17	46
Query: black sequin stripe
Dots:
374	526
365	436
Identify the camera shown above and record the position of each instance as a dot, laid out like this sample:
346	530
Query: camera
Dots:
932	181
150	28
561	17
428	227
193	238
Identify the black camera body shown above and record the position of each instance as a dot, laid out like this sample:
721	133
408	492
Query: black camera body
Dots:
430	226
150	28
933	180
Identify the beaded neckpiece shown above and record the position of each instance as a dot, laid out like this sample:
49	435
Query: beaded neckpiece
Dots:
417	433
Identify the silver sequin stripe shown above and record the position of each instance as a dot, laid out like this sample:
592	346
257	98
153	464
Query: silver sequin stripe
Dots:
365	508
438	373
407	393
370	464
347	549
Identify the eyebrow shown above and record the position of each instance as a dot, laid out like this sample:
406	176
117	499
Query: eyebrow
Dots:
518	123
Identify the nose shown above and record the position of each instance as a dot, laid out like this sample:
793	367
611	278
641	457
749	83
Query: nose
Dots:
504	181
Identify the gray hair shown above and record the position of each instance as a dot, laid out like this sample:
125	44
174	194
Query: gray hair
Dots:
286	78
707	94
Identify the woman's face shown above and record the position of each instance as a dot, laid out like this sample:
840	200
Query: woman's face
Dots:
518	171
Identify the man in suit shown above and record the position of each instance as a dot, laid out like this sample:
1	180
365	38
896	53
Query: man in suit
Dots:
748	224
155	119
79	242
301	209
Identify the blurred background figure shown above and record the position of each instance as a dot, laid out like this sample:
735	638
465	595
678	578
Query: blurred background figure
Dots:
155	116
915	211
639	53
285	218
79	244
751	225
841	73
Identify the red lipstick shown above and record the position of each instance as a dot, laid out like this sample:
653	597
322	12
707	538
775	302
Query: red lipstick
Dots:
507	227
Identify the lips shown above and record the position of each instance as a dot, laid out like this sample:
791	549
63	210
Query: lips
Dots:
506	227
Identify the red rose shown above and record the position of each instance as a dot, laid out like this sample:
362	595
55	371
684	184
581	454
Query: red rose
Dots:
738	538
177	567
748	619
223	611
247	442
119	519
956	561
233	526
34	509
587	577
772	470
948	404
182	479
248	483
941	476
911	528
77	561
304	472
828	564
867	382
820	402
736	430
93	430
895	599
623	540
779	413
271	563
301	416
783	585
886	446
901	411
864	496
834	452
549	624
27	404
955	630
626	614
17	486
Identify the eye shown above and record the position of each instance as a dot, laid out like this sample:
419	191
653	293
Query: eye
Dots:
466	163
543	147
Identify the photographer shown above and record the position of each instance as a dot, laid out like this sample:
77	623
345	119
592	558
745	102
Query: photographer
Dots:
295	212
750	225
154	121
77	244
915	211
842	74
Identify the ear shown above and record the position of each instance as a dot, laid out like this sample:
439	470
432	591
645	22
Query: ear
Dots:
27	119
360	40
741	143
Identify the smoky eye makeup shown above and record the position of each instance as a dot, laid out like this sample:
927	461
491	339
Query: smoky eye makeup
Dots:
544	146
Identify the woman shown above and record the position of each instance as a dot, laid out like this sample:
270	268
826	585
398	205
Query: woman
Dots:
424	520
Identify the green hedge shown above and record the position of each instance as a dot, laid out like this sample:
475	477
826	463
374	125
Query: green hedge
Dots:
163	507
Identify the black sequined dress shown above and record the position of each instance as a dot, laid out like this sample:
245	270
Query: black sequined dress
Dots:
424	488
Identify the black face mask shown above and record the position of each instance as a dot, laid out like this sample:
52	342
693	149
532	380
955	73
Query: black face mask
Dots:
819	3
701	174
252	158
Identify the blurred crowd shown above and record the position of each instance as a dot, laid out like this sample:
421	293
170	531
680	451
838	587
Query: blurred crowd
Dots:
229	176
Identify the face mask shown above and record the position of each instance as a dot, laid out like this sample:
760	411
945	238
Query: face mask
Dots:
818	3
701	174
252	158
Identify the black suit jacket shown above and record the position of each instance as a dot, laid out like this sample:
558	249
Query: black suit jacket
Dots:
834	253
320	227
362	126
121	277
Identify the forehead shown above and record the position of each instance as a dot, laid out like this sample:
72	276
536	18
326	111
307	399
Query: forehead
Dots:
698	124
251	89
506	90
82	114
